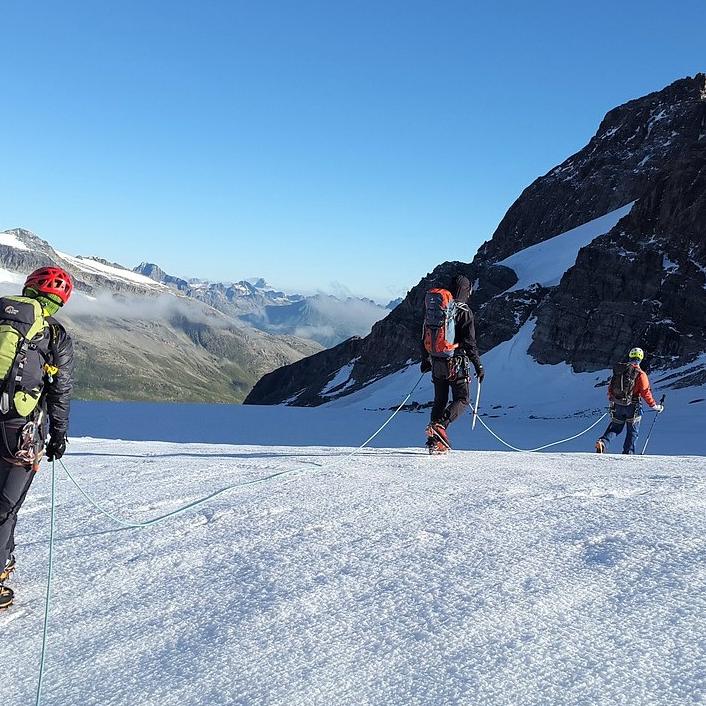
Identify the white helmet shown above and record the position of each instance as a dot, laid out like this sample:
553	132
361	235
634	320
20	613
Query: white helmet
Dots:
636	354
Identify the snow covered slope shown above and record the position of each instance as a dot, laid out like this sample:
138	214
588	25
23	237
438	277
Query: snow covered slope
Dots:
389	578
100	269
546	262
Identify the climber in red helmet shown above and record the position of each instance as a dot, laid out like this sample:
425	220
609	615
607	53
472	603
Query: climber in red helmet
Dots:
36	379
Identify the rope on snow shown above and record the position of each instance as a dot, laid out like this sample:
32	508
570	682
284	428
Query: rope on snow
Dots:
159	519
546	446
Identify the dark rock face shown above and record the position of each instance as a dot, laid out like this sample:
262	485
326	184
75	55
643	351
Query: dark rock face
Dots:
641	284
394	341
501	318
633	145
286	383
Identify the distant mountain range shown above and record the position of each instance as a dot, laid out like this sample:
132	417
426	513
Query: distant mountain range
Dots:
142	334
322	318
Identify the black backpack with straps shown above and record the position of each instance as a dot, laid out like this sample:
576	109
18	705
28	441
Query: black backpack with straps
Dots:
622	384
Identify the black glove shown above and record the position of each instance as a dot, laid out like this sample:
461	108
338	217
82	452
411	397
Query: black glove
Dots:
56	448
479	373
425	366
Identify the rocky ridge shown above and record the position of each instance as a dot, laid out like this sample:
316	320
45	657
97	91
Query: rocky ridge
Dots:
322	318
138	339
642	283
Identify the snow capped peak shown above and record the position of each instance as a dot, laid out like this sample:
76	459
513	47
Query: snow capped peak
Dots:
11	239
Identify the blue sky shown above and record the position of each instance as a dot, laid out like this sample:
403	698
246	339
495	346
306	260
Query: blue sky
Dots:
312	143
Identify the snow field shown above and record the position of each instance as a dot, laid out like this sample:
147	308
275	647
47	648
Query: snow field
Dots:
12	241
94	267
390	577
546	262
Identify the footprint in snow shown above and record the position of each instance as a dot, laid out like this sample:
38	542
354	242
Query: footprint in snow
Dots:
604	550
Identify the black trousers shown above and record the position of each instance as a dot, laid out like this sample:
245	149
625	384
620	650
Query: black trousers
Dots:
14	484
459	394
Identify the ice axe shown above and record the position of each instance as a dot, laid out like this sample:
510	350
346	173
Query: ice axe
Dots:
649	433
475	409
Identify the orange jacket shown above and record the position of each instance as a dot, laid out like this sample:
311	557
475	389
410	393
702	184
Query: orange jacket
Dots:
642	389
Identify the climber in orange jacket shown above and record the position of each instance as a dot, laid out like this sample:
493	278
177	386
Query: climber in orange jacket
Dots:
627	386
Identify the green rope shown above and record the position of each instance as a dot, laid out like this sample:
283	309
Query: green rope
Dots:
160	518
173	513
50	572
234	486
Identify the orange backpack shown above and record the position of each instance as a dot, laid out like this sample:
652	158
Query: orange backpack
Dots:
439	323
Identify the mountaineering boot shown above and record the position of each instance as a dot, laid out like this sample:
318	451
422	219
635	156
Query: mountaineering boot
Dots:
434	446
437	438
9	568
6	597
441	435
600	446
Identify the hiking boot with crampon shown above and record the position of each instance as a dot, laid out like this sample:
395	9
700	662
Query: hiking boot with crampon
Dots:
9	568
437	438
6	597
436	448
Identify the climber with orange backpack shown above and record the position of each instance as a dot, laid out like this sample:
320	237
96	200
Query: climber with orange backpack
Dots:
448	351
36	380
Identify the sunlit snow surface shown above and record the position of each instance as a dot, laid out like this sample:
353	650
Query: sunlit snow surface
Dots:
96	268
386	578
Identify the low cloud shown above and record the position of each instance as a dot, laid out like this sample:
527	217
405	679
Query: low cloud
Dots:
160	308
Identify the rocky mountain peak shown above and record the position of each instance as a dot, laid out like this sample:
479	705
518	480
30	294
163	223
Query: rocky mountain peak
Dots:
149	269
634	144
638	192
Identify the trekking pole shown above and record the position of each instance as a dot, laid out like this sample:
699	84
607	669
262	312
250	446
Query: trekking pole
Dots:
475	409
649	433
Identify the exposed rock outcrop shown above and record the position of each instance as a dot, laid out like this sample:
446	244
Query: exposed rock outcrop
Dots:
644	283
634	144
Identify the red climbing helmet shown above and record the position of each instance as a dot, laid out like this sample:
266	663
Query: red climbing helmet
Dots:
51	280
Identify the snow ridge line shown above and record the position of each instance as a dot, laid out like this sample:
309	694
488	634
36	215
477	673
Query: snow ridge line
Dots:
157	520
546	446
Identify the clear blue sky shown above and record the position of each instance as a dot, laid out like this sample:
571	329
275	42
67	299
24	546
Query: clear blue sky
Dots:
309	142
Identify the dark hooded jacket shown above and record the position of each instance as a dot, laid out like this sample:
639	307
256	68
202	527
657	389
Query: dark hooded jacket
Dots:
465	324
58	390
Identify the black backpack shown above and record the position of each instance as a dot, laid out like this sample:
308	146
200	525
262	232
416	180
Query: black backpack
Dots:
622	384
